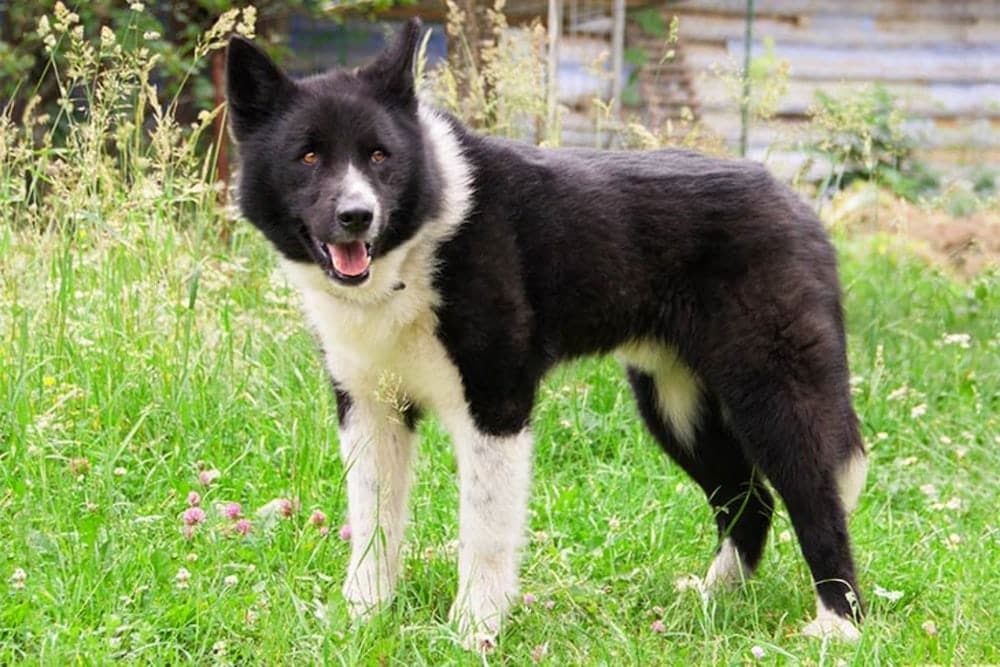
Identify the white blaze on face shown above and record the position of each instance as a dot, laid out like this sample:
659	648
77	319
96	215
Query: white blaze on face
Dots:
357	191
351	259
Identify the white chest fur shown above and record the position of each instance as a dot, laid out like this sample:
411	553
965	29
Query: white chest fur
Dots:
387	349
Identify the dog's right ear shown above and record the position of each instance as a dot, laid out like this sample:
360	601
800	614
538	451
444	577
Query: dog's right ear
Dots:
392	71
255	87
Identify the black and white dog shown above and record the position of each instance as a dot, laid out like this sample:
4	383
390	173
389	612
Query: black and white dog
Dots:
444	271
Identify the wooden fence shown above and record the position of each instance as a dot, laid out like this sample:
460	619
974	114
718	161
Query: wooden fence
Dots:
940	59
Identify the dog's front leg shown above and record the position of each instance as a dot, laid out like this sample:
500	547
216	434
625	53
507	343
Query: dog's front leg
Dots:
494	481
376	445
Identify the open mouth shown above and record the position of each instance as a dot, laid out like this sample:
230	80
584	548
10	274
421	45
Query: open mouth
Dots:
347	263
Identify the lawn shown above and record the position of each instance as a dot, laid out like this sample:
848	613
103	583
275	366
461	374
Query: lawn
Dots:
141	360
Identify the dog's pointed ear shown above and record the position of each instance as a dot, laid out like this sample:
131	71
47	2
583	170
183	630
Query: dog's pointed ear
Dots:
255	87
392	72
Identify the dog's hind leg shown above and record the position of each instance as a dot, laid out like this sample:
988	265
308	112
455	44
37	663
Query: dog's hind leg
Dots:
690	428
376	446
806	442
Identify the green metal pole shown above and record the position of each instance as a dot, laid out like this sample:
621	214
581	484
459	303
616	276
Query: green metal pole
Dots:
745	100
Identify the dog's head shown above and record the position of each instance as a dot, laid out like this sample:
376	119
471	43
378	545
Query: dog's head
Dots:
333	170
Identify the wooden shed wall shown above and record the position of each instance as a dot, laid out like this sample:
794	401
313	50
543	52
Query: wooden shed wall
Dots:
940	58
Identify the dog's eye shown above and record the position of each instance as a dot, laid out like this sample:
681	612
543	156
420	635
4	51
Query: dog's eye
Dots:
310	158
378	156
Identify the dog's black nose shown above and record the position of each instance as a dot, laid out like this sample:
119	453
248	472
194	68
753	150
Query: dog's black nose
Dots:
354	218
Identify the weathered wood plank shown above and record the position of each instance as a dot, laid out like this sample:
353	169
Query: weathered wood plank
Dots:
960	156
839	30
930	134
787	165
959	9
980	100
977	64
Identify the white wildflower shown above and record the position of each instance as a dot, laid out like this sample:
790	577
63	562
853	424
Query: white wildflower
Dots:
691	582
954	504
107	37
962	340
891	596
246	26
897	394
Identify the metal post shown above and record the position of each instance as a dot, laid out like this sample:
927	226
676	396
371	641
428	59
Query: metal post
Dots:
618	58
555	31
745	101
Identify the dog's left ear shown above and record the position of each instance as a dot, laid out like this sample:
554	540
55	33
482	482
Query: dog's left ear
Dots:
256	88
392	72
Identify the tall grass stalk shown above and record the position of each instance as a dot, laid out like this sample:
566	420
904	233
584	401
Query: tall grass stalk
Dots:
112	154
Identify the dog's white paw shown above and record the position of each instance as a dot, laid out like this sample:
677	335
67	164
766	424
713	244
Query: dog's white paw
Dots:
366	595
477	628
478	642
485	592
831	626
361	610
727	570
691	582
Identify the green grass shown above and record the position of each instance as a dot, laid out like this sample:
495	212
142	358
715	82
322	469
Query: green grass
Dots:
153	353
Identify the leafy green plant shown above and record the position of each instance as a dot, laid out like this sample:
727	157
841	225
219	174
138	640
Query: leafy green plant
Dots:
864	136
500	86
768	75
984	181
112	142
686	131
169	30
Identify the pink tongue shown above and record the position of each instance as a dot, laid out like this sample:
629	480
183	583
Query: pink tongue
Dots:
350	259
